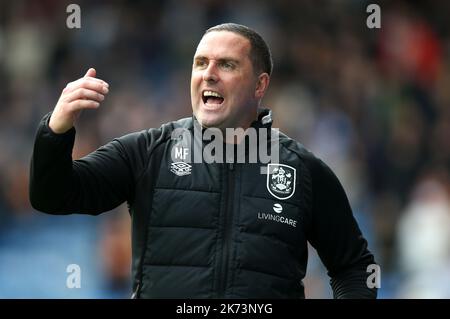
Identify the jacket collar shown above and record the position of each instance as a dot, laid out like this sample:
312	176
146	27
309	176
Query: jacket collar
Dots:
264	118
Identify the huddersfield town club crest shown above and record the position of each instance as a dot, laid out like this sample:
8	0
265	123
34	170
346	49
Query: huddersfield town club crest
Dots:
281	180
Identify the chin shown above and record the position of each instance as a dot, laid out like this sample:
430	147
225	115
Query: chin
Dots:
209	123
207	120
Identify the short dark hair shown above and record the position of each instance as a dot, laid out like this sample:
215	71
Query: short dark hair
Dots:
260	54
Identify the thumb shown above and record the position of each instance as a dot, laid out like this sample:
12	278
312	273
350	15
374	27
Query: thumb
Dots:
91	72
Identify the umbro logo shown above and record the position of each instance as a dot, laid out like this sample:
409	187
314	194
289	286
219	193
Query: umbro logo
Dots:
181	168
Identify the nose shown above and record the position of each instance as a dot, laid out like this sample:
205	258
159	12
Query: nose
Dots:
210	73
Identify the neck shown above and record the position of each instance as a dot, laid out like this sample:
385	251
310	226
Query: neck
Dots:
237	134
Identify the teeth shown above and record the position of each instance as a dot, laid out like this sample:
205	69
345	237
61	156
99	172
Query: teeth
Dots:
212	93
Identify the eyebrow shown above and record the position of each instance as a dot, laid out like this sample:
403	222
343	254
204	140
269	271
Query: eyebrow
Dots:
224	59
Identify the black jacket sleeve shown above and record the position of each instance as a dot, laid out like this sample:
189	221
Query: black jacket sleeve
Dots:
94	184
335	235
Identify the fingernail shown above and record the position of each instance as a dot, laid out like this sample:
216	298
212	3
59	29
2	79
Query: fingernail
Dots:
105	89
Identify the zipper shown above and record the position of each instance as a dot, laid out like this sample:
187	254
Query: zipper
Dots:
228	218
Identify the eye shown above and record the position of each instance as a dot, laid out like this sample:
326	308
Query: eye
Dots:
227	65
200	63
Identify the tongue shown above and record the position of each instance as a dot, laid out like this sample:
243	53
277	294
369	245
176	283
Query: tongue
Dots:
214	100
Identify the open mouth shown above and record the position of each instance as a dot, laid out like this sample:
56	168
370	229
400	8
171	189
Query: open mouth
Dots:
211	98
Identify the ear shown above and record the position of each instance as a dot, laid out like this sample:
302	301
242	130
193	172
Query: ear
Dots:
261	85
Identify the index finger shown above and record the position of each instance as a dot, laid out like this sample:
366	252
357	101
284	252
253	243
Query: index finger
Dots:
98	86
96	79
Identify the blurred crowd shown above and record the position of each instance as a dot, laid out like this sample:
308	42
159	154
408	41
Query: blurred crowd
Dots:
372	103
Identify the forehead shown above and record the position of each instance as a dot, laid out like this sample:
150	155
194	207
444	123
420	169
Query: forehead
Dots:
218	44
